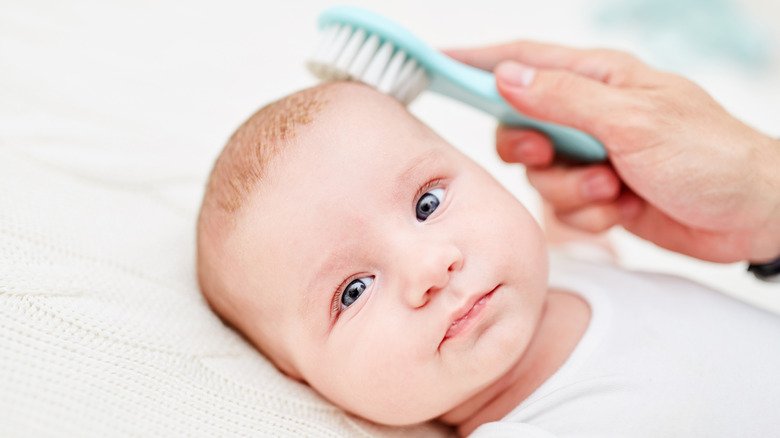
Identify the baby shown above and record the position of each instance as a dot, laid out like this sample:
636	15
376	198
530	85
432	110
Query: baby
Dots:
370	259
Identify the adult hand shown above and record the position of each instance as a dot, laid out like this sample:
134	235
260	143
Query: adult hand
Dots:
682	173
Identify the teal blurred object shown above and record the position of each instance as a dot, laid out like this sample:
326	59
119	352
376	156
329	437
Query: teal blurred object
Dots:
682	32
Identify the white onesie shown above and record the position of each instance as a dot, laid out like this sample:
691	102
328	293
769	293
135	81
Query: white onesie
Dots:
662	357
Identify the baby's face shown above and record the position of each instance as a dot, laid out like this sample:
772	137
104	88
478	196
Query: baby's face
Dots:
373	236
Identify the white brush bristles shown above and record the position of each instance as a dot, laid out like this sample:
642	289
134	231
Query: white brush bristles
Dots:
347	53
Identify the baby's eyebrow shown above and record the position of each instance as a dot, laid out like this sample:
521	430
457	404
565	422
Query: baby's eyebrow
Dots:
418	162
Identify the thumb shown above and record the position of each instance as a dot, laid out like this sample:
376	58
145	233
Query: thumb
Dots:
560	96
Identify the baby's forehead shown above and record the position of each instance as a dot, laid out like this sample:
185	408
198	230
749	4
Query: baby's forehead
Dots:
359	95
357	115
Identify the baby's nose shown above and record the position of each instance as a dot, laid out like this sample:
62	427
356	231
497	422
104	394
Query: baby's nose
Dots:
431	271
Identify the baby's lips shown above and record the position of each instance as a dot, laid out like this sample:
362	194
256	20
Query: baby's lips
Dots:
459	319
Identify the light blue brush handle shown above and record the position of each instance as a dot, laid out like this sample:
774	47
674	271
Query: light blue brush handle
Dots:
478	89
463	82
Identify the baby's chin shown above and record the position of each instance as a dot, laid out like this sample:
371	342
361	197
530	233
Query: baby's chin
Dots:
470	375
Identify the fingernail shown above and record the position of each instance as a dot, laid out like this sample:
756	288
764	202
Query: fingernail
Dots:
597	187
515	74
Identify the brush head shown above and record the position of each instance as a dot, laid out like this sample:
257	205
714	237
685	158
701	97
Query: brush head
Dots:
360	45
349	51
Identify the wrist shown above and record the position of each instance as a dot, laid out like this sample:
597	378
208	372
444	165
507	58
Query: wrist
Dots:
765	245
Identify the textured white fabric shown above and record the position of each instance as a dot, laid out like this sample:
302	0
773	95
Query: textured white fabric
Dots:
103	331
661	357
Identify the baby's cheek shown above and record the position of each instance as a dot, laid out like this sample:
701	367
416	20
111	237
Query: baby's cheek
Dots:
371	356
384	385
526	252
342	375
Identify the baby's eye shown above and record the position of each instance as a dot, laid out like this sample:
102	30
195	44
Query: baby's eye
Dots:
428	203
354	289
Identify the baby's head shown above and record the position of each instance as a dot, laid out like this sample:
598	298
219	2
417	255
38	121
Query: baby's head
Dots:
343	238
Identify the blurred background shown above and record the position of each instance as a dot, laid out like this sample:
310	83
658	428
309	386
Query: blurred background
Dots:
143	94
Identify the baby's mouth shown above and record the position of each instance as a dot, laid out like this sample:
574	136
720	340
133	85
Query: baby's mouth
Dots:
466	319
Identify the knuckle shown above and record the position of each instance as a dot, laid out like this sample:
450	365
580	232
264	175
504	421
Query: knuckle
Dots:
622	65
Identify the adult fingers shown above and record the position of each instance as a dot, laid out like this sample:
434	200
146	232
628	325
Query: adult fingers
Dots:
609	66
524	146
599	217
562	97
592	219
571	188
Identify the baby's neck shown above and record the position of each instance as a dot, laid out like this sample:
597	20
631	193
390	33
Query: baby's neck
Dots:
565	317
